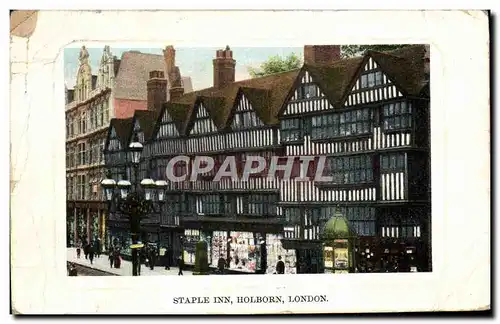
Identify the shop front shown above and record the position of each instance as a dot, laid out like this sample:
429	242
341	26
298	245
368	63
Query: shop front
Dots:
240	252
249	252
306	256
119	237
244	252
275	250
191	236
94	225
82	226
70	230
243	247
171	240
218	248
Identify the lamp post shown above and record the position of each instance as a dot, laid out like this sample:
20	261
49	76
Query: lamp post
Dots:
131	201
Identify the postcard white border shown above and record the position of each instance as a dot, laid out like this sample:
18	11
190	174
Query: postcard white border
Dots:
460	179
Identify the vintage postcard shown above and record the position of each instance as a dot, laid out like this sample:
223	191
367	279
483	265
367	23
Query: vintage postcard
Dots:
248	172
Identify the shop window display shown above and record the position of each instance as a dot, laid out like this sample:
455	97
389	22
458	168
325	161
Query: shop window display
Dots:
218	247
274	250
191	236
244	253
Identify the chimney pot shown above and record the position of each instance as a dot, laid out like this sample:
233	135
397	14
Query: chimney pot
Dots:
156	89
169	56
224	68
321	54
156	75
176	93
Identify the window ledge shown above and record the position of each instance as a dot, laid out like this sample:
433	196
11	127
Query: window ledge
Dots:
364	185
342	138
296	142
397	131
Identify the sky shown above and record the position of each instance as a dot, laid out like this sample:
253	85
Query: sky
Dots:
193	62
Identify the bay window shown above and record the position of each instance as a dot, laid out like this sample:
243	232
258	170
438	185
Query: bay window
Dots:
261	205
394	162
350	169
397	115
210	204
362	220
356	122
291	130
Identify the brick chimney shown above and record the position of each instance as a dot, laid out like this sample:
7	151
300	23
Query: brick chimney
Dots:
321	54
169	56
176	89
157	90
224	67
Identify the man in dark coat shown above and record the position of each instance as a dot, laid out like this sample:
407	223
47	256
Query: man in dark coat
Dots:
86	250
221	264
91	253
181	266
152	257
280	266
168	257
98	247
111	257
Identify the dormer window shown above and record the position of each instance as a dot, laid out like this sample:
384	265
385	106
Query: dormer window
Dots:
372	79
306	91
246	119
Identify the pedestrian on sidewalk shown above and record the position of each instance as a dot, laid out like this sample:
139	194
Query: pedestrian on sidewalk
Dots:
78	249
167	256
98	248
86	250
221	264
111	258
117	258
181	266
152	257
91	253
280	266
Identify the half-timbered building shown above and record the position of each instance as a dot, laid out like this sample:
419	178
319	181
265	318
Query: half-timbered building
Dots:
367	116
370	118
120	87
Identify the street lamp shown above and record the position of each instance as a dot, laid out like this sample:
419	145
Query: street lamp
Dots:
135	150
161	186
131	203
148	185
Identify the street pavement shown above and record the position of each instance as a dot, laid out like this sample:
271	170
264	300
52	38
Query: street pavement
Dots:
102	263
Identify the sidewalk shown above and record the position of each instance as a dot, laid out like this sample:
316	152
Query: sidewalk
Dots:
102	263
